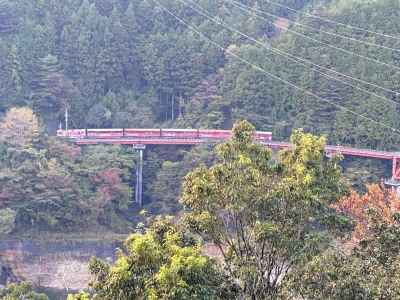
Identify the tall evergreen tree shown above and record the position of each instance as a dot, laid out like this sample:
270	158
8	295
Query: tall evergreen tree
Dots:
8	18
52	91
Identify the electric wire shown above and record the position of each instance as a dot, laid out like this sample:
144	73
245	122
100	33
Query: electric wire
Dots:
323	31
250	10
332	21
206	38
296	59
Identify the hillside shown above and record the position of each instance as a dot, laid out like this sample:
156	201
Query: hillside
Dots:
130	63
219	221
121	63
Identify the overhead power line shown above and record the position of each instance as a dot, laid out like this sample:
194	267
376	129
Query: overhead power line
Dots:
206	38
322	31
291	57
332	21
249	9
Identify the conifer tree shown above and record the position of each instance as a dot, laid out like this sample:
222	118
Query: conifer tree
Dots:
51	89
8	18
16	70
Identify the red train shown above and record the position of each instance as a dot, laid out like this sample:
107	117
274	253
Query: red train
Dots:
155	133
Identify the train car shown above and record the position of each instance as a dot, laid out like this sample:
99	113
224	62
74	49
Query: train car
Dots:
61	133
263	136
142	133
214	134
180	133
183	134
72	133
104	133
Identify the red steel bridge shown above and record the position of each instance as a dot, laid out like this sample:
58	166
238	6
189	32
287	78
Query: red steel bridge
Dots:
139	138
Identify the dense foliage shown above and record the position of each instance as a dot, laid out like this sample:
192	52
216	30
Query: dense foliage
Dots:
46	184
165	188
265	217
164	262
281	229
130	63
382	202
22	291
369	271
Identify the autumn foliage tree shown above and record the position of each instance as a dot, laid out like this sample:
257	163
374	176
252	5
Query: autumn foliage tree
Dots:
366	267
49	184
383	203
19	127
369	269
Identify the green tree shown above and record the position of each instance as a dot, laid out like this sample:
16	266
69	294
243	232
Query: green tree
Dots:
16	70
48	184
52	91
166	189
115	54
7	221
162	263
369	271
80	296
263	216
8	18
250	92
98	116
22	291
19	127
134	70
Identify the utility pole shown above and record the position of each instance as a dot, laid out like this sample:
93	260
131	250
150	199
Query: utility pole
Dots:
139	175
173	107
66	119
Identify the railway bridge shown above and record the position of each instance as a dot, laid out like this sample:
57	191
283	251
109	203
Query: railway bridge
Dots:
140	138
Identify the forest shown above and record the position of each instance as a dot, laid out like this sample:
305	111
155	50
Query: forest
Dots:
204	64
127	63
120	63
284	228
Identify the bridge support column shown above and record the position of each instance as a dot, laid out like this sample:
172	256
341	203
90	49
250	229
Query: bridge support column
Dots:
394	182
396	168
139	175
394	185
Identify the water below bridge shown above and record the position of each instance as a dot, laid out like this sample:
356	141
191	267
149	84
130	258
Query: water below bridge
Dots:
52	265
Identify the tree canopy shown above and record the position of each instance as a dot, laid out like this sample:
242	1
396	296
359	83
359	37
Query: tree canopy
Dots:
368	270
162	263
48	184
19	127
130	63
21	291
113	58
119	63
264	217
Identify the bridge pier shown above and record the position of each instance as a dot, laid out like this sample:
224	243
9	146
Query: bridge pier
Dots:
394	182
139	175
